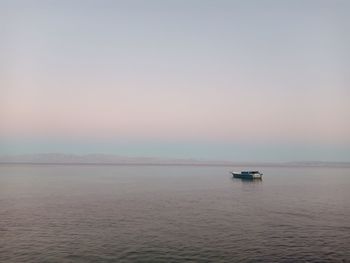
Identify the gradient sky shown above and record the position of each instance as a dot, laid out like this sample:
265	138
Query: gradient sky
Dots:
234	80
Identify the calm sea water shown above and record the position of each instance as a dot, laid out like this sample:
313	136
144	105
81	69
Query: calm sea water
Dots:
86	213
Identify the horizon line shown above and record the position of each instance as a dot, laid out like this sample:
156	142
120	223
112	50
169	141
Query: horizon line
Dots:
112	159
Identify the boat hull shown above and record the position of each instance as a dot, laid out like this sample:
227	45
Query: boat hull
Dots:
247	176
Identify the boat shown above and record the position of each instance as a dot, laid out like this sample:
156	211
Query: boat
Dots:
247	175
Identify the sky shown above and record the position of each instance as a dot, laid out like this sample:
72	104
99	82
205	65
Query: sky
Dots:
229	80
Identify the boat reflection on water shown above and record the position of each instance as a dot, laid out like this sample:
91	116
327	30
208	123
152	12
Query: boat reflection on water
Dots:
247	184
249	181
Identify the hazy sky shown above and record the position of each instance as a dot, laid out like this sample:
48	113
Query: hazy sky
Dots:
237	80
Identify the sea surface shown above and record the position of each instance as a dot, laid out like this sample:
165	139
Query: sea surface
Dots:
106	213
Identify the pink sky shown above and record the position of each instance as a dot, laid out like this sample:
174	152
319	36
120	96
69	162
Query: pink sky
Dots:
231	73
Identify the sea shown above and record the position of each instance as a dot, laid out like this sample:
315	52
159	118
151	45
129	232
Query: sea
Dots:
145	213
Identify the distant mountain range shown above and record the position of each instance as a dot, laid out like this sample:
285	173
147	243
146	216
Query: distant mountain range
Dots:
58	158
